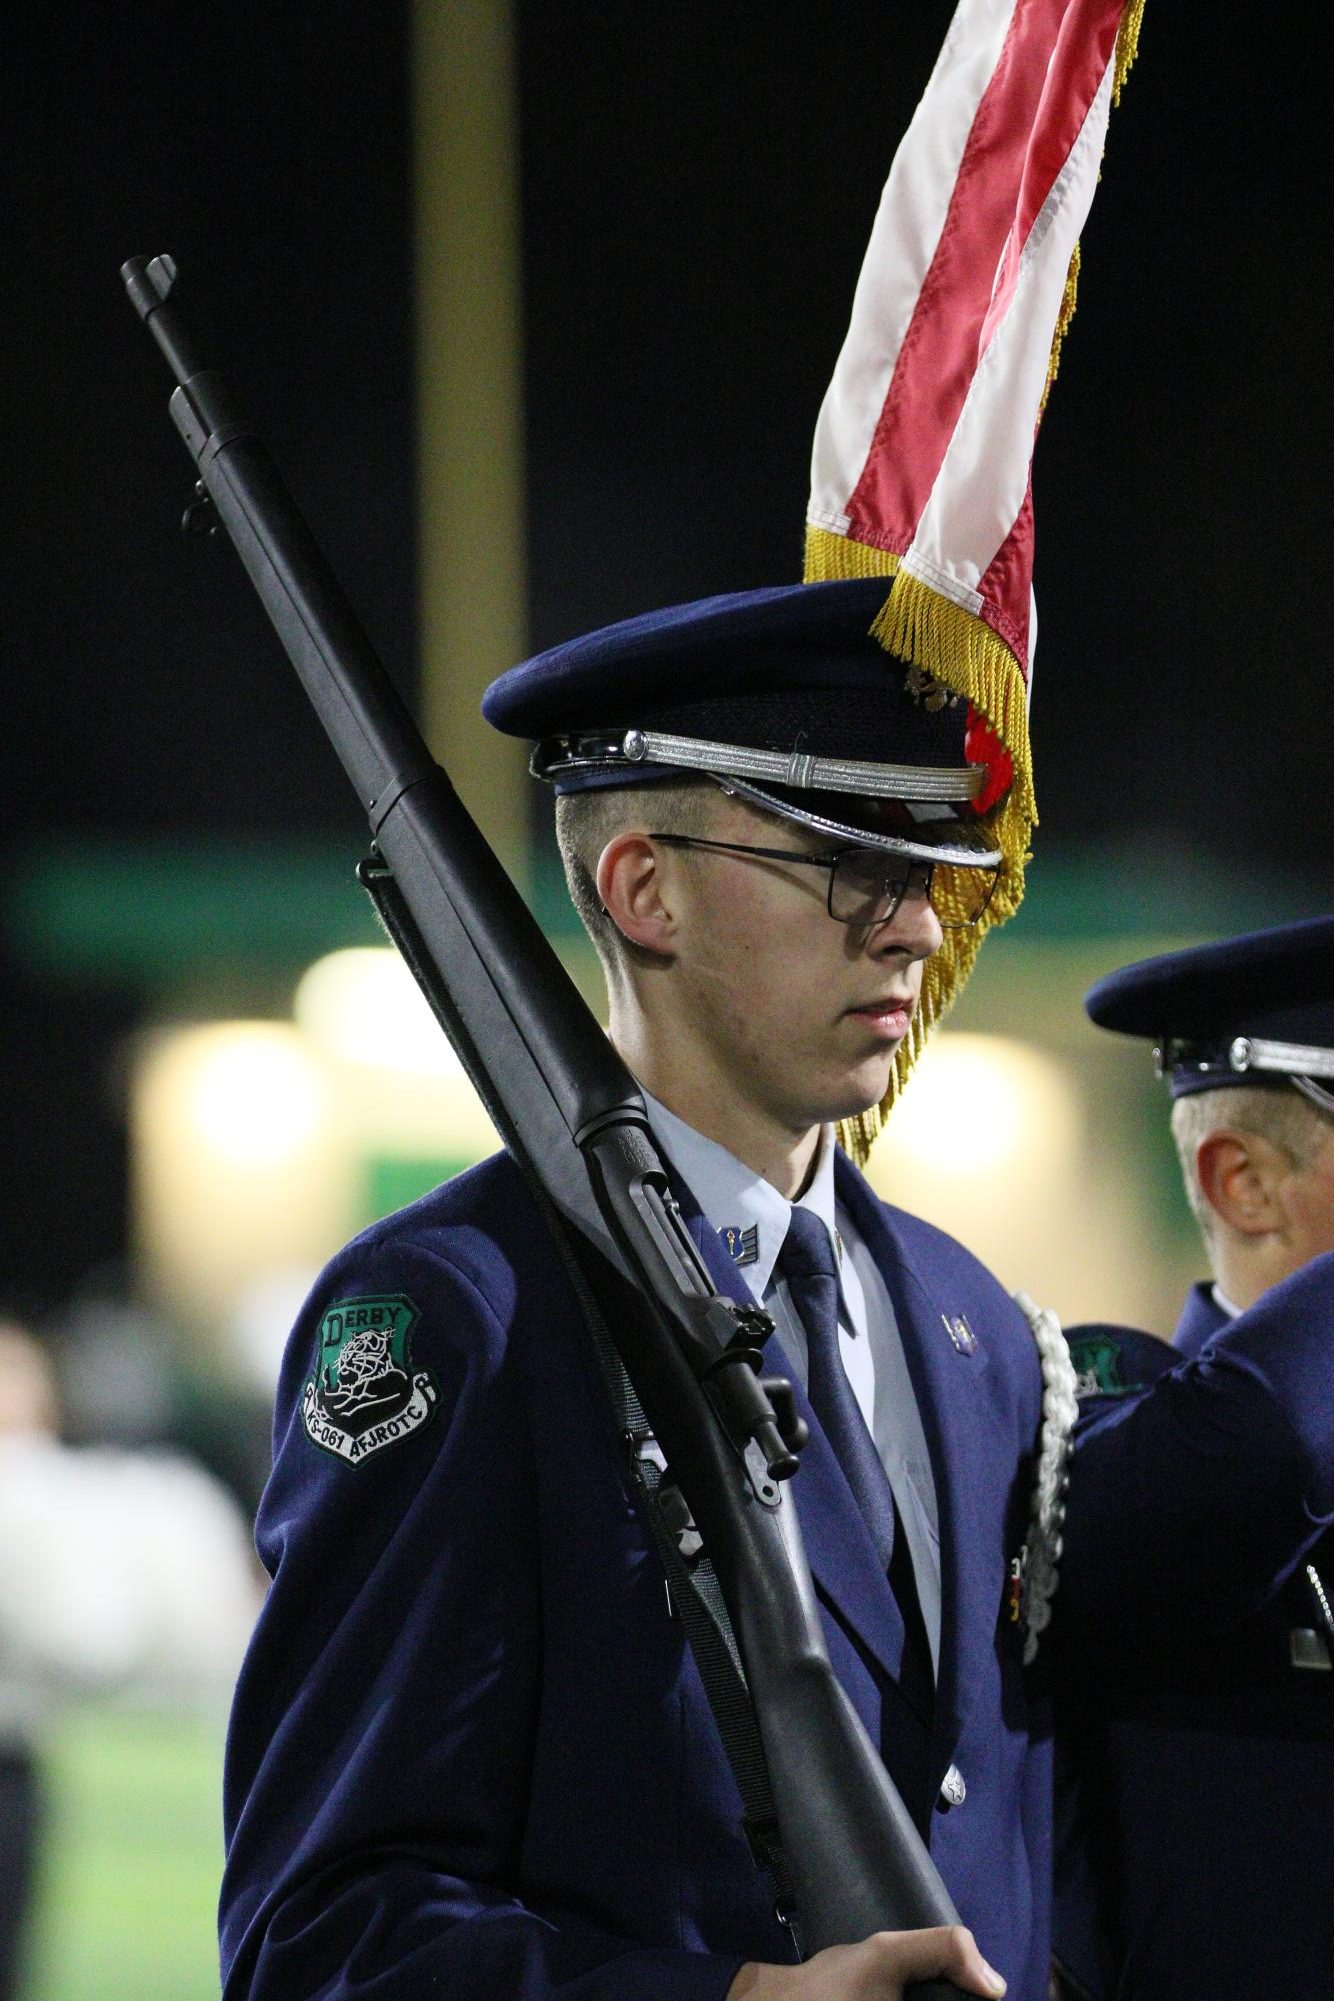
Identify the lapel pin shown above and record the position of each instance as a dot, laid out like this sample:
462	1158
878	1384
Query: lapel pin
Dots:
960	1333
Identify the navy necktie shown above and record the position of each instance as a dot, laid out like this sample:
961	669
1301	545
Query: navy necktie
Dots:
806	1261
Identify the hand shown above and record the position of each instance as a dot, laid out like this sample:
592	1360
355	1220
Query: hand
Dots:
876	1970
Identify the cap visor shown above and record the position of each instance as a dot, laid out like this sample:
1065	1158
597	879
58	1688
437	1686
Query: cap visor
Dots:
941	838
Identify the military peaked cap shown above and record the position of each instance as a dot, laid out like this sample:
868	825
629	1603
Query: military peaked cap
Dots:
781	696
1234	1012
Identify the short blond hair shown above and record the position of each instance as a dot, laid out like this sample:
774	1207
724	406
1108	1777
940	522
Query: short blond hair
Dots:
1274	1112
587	821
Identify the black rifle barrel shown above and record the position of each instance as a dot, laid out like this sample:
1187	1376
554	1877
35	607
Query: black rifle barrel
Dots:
574	1118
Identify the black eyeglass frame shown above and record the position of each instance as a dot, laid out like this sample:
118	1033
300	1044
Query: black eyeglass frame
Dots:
916	871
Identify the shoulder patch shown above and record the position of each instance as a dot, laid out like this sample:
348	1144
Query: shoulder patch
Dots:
364	1394
1098	1373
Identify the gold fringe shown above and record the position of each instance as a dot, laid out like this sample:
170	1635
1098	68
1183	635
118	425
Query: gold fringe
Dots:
916	624
1127	48
955	646
1069	299
831	557
1127	45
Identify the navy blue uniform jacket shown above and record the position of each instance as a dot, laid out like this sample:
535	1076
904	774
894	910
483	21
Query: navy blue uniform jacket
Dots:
470	1755
1196	1817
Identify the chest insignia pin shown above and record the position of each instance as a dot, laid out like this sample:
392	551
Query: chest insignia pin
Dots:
960	1333
742	1246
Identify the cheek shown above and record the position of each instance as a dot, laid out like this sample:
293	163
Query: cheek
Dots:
770	983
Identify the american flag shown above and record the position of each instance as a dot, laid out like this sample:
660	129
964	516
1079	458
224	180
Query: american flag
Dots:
924	443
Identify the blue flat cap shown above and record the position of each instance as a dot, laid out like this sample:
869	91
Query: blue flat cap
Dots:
1233	1012
781	696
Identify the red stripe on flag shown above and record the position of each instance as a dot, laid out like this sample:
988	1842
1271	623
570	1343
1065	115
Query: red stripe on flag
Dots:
1084	49
1004	588
1079	62
938	357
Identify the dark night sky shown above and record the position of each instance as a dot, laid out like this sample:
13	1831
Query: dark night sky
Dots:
698	187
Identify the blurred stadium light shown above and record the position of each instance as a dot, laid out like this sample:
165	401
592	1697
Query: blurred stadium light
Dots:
363	1006
259	1147
979	1107
234	1164
996	1141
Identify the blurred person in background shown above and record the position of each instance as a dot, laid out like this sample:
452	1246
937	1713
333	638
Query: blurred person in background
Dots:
27	1411
122	1572
1197	1779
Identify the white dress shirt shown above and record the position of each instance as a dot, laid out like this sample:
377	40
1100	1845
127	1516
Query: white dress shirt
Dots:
735	1199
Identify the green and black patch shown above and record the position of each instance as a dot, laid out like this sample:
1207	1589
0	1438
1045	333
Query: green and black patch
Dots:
364	1393
1098	1360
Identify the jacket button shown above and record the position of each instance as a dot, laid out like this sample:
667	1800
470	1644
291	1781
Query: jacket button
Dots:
953	1791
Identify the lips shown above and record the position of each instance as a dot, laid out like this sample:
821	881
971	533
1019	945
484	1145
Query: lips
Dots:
891	1013
887	1004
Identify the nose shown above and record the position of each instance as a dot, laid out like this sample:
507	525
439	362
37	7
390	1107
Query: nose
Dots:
914	928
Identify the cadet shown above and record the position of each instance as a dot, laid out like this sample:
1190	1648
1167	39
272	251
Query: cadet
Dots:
1198	1768
470	1753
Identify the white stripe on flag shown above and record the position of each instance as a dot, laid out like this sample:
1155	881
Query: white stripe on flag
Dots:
982	481
907	227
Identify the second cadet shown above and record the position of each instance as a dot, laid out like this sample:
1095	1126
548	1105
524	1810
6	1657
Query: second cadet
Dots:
1197	1769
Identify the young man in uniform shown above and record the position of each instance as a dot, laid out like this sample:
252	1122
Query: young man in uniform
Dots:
471	1754
1198	1773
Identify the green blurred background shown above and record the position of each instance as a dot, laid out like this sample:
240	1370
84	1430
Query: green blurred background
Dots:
127	1893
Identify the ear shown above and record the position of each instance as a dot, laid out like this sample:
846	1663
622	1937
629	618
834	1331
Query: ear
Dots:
1240	1174
633	892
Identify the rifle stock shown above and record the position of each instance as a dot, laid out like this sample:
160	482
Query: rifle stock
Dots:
573	1117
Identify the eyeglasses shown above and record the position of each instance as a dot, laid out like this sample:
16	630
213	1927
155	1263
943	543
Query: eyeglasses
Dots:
867	885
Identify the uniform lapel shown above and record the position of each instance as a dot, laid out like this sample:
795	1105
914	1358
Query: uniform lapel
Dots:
924	1308
838	1544
1201	1317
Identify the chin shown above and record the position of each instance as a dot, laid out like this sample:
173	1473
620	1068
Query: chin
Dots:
858	1094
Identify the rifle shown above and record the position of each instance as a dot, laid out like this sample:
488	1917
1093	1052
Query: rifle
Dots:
573	1118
